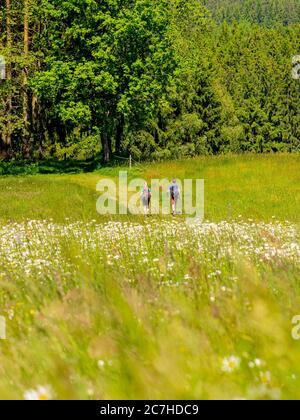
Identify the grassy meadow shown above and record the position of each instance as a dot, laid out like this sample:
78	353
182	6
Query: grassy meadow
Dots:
108	307
257	187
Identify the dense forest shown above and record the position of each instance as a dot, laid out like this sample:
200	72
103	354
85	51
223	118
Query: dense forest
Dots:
157	79
263	12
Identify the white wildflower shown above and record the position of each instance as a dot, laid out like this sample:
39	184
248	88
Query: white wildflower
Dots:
41	393
230	364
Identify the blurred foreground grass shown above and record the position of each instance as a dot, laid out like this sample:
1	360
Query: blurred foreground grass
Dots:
123	308
163	310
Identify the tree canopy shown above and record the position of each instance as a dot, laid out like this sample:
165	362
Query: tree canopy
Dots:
157	79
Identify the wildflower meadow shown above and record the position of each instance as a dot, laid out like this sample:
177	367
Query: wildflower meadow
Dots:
149	202
149	308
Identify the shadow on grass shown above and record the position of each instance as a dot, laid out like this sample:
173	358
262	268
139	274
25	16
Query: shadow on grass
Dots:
52	166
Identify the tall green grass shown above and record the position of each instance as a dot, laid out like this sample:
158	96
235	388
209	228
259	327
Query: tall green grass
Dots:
164	311
252	186
109	307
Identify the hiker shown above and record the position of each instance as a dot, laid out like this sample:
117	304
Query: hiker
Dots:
174	193
146	198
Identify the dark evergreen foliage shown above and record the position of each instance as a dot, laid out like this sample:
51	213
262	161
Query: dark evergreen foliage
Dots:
157	79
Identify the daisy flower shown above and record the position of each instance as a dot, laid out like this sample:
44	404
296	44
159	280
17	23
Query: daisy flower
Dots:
41	393
230	364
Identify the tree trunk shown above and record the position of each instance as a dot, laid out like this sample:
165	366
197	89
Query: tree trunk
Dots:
7	135
106	146
119	133
26	133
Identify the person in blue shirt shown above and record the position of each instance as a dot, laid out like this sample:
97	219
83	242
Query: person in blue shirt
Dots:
146	198
174	194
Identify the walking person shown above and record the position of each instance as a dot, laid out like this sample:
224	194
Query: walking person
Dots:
146	198
174	194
